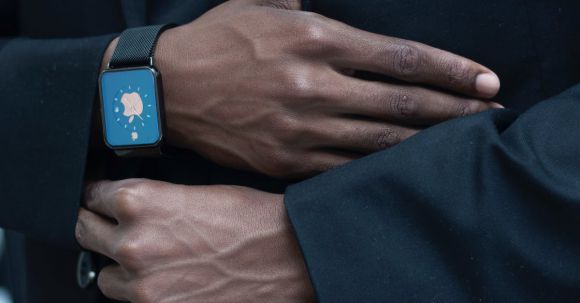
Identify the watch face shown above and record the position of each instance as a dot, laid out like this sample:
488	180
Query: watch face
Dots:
130	107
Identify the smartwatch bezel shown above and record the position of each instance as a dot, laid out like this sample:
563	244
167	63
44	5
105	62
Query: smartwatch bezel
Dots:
159	103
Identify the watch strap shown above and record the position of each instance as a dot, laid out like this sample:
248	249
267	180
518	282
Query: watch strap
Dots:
150	152
136	46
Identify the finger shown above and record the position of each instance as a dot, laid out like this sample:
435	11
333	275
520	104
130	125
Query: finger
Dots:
104	197
413	62
97	196
280	4
95	233
325	159
113	283
359	136
406	104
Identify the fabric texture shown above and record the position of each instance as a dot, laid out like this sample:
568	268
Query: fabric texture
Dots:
3	42
47	99
480	209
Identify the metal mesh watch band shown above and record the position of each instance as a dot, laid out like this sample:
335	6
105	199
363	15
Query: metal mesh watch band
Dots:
136	46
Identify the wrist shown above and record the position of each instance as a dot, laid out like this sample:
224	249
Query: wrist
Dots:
109	53
164	59
96	140
300	286
174	66
132	94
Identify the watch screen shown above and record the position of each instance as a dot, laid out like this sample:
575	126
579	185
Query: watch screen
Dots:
130	108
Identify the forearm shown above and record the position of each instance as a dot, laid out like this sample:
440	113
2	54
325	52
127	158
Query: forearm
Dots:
235	241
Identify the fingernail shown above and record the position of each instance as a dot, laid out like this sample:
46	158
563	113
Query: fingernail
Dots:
496	105
487	84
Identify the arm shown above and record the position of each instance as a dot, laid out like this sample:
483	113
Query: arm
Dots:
478	209
176	243
482	208
47	91
261	86
300	123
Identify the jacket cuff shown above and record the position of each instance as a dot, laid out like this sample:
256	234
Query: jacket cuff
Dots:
48	89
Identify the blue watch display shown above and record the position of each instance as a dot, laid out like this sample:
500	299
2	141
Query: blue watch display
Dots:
130	108
131	98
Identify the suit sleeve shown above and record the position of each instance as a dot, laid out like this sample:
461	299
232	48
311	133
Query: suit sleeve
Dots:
480	209
47	89
8	22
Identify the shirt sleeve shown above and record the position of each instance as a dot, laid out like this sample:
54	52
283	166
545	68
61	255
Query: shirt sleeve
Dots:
479	209
47	90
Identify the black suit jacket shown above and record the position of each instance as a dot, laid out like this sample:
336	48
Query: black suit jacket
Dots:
481	208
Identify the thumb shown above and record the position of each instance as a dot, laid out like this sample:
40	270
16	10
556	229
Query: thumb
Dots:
280	4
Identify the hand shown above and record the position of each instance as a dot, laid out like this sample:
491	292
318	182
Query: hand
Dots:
178	243
258	85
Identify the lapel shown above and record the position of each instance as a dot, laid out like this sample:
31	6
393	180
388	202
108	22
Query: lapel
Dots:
135	12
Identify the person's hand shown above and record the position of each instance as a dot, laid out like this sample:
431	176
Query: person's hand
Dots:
259	85
177	243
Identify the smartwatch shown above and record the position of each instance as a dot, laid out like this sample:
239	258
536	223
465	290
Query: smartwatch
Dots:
131	95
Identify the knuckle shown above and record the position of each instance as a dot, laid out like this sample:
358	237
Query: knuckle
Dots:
285	126
402	104
124	194
386	138
142	292
313	31
314	17
129	253
102	283
127	205
464	109
282	4
300	83
127	199
286	131
406	60
457	72
282	164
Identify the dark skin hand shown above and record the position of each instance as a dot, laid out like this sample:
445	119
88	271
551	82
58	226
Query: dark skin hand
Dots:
261	86
178	244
